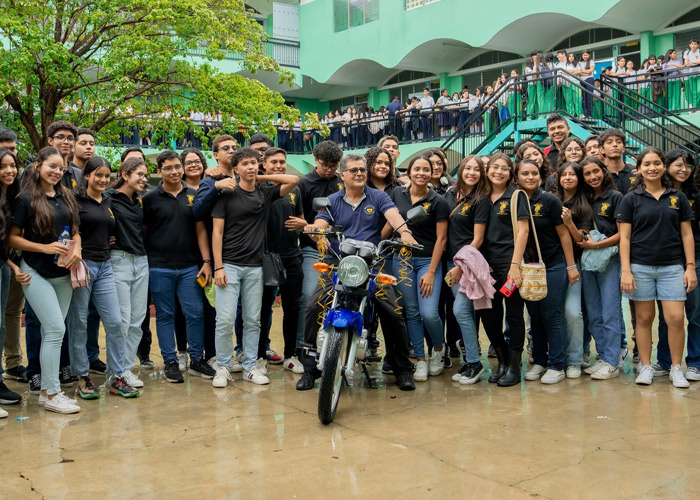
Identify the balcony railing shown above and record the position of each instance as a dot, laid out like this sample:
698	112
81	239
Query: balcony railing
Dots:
285	52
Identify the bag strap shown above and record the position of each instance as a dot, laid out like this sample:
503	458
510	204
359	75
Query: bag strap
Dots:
514	221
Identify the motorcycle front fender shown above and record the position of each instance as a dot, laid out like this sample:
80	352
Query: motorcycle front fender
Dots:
343	318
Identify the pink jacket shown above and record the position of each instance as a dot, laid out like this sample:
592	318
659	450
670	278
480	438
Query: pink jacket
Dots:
476	282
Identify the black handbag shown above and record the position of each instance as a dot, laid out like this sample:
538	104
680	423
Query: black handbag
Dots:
274	273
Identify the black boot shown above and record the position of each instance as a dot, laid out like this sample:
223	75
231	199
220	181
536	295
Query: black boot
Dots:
502	355
512	376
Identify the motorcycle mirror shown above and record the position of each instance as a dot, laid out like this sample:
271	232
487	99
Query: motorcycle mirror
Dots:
319	204
416	214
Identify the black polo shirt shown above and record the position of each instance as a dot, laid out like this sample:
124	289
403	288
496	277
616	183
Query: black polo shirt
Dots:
280	239
244	223
171	237
546	212
656	226
695	205
96	225
604	210
425	230
313	186
23	218
460	231
625	178
499	232
128	228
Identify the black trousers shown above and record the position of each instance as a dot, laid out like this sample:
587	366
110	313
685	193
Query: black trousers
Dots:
289	292
492	319
393	326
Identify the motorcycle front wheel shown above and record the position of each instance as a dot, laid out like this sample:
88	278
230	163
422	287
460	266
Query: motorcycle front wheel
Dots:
332	377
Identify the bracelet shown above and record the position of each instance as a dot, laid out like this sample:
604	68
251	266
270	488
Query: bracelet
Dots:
207	261
514	263
218	268
407	231
691	264
571	268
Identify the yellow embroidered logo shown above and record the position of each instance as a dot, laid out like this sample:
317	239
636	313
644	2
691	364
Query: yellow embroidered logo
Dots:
140	201
426	206
190	200
73	183
691	202
111	213
632	179
604	209
503	208
340	186
369	210
674	202
465	209
292	199
538	209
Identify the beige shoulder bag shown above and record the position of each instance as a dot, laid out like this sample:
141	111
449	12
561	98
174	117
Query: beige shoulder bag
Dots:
534	286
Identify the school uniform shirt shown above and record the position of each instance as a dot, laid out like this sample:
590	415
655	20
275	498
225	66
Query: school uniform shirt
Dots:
693	58
624	179
546	212
604	210
23	218
582	66
656	226
280	240
313	186
425	230
499	232
171	238
460	231
128	227
96	225
244	223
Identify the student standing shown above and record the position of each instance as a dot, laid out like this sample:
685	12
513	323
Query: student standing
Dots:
532	66
586	68
656	240
672	74
691	58
39	216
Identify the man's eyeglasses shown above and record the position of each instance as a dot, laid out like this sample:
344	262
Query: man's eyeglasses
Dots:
226	149
63	138
355	171
170	168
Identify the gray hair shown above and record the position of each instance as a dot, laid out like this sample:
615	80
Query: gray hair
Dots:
348	158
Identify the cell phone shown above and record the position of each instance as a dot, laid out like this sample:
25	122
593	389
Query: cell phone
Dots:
508	288
449	281
201	280
62	258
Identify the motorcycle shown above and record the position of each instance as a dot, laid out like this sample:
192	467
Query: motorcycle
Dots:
342	341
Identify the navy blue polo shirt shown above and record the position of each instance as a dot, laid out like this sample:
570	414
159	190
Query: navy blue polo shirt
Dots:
363	222
656	226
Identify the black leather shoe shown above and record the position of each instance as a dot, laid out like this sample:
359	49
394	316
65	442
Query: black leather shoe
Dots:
306	382
512	376
405	381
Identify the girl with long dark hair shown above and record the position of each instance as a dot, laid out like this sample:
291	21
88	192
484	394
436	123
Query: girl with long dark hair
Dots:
380	169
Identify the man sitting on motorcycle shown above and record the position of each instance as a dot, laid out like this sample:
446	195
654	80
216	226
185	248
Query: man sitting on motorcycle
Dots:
361	211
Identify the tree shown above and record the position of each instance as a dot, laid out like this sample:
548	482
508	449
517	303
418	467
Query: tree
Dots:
104	64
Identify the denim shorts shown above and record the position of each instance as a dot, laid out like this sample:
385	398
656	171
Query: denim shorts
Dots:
657	283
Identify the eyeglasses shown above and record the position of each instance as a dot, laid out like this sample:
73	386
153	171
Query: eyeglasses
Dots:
228	148
681	165
503	168
327	166
355	171
60	168
192	163
141	175
63	138
170	168
573	150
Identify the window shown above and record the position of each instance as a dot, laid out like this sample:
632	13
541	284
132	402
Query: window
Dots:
492	57
408	76
353	13
688	17
590	36
414	4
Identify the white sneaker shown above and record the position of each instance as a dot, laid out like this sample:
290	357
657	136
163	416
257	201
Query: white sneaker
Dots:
586	360
261	365
692	374
293	365
61	404
646	375
660	371
677	377
222	377
535	372
624	354
256	376
182	361
593	368
553	376
236	364
42	400
606	372
573	371
421	372
3	413
212	362
131	379
437	362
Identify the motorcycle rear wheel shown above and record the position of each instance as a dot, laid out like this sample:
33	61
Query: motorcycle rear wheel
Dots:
332	377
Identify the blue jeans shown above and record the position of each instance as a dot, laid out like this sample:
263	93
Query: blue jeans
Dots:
310	254
601	293
93	333
463	310
692	312
164	283
51	298
131	278
573	315
5	273
420	311
547	321
102	292
247	283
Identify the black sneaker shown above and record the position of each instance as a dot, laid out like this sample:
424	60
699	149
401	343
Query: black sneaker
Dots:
306	382
98	367
7	397
35	384
18	373
448	362
200	368
147	364
386	366
172	372
405	381
65	377
472	374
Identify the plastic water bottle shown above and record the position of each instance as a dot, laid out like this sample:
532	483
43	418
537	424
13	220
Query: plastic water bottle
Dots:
65	235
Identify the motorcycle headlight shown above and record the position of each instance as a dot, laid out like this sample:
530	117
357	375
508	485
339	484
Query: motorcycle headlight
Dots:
353	271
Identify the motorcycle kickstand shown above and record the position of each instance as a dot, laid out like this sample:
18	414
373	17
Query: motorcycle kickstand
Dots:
370	380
